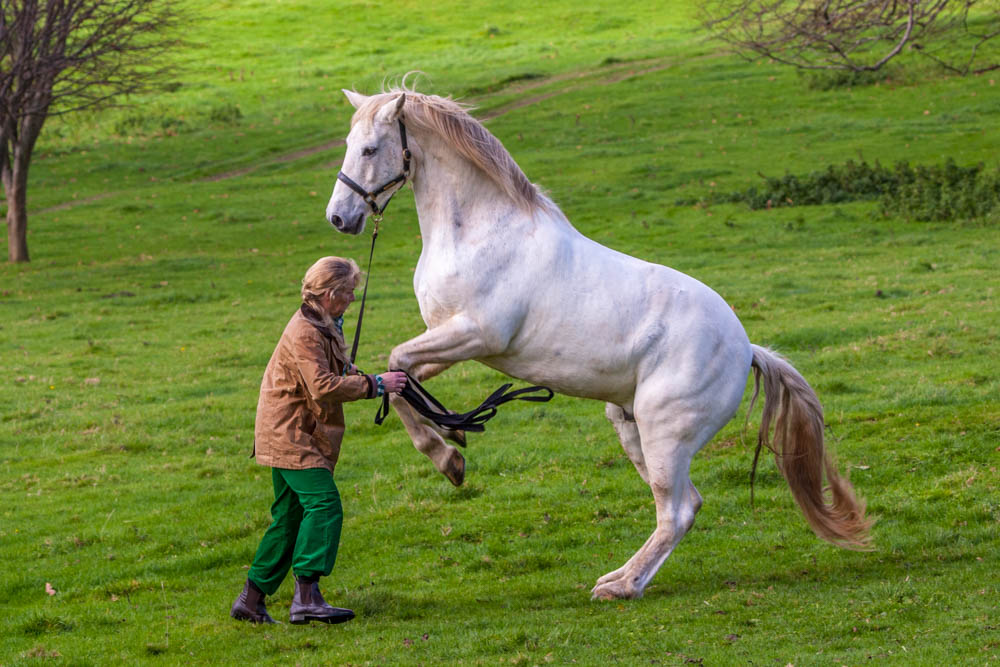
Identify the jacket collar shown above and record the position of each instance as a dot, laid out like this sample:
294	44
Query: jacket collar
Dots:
335	336
313	317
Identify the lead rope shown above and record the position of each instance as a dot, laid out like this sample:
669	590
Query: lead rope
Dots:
364	294
473	421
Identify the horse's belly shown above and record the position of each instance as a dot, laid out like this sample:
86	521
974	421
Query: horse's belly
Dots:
567	375
682	339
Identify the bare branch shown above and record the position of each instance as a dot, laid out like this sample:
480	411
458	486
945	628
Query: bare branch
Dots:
855	35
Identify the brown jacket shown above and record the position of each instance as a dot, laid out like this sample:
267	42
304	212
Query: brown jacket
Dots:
300	419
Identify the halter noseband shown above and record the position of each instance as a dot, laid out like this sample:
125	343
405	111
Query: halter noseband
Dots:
370	197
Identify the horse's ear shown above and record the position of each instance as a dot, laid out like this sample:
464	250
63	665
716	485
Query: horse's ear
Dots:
390	111
356	99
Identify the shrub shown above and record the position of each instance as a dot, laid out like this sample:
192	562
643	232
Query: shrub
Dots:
948	192
942	192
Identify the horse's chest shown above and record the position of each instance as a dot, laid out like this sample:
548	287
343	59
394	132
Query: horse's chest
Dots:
453	278
440	295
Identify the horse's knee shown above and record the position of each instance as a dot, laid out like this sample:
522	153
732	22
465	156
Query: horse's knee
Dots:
398	360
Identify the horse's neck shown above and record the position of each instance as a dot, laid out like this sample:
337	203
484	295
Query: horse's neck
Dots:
452	196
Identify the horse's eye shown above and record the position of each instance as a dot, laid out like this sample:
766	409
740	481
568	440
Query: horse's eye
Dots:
369	151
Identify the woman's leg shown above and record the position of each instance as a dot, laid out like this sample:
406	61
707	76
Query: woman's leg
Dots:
277	548
315	549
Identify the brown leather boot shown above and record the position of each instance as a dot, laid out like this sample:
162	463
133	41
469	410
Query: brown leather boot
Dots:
249	606
308	605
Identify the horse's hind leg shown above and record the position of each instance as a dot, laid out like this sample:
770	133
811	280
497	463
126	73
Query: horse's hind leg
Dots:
667	453
628	435
695	499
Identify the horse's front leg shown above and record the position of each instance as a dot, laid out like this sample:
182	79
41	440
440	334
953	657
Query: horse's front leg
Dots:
423	373
458	339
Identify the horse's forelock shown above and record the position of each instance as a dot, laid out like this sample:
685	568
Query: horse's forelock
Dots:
451	121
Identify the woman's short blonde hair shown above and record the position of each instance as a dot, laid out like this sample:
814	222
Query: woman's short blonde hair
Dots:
329	273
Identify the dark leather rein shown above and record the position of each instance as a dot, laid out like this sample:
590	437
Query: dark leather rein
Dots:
414	393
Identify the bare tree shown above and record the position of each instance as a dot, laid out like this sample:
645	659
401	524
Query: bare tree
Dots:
856	35
961	38
60	56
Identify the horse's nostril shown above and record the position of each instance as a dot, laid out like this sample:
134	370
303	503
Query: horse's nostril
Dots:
336	221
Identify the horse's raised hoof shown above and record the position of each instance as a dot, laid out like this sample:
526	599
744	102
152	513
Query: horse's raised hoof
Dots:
454	469
458	437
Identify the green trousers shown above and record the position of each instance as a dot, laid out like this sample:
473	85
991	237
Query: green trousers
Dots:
305	531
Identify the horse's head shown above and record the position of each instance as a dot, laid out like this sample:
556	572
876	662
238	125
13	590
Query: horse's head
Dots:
376	163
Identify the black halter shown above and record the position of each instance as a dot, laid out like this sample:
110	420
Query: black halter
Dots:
370	197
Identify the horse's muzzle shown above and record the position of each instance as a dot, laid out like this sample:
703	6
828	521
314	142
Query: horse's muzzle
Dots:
343	226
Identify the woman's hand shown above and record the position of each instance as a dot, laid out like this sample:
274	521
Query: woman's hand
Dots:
393	381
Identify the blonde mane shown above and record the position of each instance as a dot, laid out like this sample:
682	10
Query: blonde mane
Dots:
451	121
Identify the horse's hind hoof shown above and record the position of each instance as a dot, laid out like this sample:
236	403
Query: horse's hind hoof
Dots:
614	590
454	469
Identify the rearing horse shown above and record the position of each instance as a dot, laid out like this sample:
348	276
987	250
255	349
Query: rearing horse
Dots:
505	279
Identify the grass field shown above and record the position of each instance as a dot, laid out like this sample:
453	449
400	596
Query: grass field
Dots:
168	241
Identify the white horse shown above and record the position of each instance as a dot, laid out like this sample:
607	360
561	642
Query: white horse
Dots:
505	279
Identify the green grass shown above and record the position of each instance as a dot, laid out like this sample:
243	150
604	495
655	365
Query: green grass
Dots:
132	346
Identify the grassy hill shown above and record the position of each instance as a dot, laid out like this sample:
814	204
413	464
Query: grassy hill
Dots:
168	241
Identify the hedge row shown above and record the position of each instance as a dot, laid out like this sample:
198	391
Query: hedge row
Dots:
938	192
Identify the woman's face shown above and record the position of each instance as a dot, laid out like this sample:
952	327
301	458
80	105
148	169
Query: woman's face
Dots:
336	301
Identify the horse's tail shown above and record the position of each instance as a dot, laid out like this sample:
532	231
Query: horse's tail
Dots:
792	407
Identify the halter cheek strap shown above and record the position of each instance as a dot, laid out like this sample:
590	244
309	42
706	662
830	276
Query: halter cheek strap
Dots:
371	197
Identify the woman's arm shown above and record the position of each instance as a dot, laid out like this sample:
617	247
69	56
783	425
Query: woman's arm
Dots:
323	385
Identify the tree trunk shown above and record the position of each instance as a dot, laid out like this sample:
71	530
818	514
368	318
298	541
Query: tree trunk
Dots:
15	185
14	164
17	218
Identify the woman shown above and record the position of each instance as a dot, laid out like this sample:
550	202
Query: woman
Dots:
299	427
